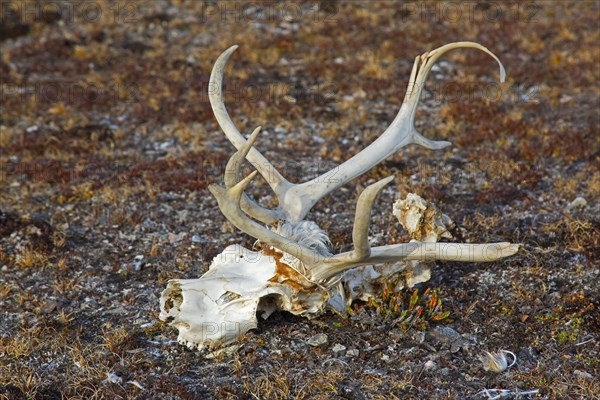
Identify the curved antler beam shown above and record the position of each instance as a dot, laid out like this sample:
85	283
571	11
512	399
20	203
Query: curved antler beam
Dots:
215	95
296	200
307	277
417	251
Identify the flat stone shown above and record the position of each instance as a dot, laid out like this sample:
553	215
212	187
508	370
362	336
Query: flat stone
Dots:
338	348
353	353
317	340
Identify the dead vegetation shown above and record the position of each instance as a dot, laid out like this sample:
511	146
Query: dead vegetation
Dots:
108	143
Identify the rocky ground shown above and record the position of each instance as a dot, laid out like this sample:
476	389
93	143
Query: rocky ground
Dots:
108	143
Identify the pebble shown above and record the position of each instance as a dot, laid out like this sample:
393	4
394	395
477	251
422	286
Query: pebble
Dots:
445	334
449	336
174	239
582	374
352	353
579	202
111	377
430	365
317	340
338	348
137	266
48	307
117	311
198	239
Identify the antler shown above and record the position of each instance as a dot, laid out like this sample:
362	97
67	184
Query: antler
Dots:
296	200
321	267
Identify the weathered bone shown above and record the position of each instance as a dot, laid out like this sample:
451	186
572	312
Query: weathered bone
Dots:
296	200
295	271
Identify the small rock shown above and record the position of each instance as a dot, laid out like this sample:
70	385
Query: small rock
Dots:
338	348
198	239
450	337
430	365
137	266
183	216
48	307
148	224
111	377
164	145
191	60
385	357
582	374
579	202
174	239
317	340
117	311
445	334
352	353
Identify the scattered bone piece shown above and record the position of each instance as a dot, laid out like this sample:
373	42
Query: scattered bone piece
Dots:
497	362
422	220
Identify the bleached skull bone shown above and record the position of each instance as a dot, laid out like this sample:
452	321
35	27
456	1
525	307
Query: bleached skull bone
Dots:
223	304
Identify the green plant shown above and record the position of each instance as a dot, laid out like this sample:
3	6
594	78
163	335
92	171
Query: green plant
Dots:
407	308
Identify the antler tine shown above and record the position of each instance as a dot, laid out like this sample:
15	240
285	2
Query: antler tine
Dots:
417	251
229	204
296	200
232	177
322	268
400	133
421	69
362	219
360	235
215	95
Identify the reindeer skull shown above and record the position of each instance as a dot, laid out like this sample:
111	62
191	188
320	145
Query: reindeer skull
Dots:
295	270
